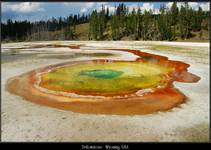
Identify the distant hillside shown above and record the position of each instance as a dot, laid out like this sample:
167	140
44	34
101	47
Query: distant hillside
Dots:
174	24
82	31
82	34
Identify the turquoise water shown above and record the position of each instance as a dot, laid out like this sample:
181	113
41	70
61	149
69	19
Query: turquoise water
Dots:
106	74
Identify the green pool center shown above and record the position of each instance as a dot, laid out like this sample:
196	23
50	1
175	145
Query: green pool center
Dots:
105	78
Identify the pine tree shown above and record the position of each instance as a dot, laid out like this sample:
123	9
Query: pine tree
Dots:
174	12
115	27
199	18
146	25
102	23
139	23
133	22
185	21
164	24
93	26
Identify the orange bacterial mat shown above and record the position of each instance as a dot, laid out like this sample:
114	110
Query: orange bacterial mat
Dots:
106	86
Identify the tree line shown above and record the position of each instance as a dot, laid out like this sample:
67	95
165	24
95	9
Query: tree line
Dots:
42	30
169	24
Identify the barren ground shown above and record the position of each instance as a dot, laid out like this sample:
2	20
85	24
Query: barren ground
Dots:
26	121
